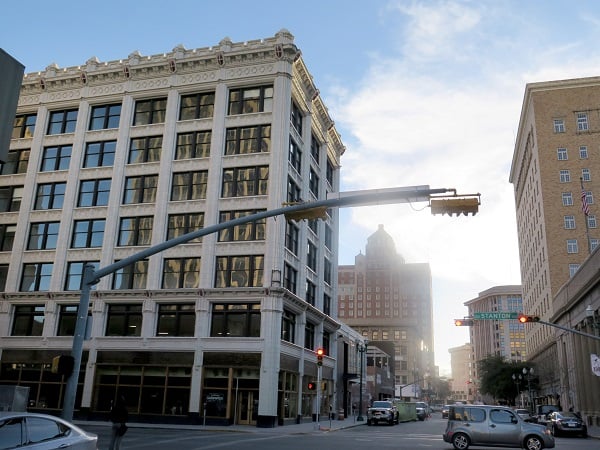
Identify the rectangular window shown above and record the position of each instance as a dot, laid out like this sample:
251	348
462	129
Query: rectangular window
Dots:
288	326
88	233
235	320
311	256
327	271
239	271
569	222
589	197
582	121
181	273
572	246
565	176
62	121
36	277
3	276
74	276
28	320
328	237
94	193
10	198
583	152
43	236
559	125
573	268
290	278
311	292
100	154
295	156
197	106
135	231
309	335
7	236
133	276
250	231
67	319
594	244
291	237
193	145
56	158
585	175
293	192
105	116
329	172
124	320
16	162
145	149
140	189
246	140
245	181
176	320
296	117
180	224
150	111
562	154
250	100
327	304
592	222
313	182
567	199
24	126
315	148
189	185
50	196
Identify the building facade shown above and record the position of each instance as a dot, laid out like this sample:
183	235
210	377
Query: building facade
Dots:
503	337
389	302
555	175
110	158
463	385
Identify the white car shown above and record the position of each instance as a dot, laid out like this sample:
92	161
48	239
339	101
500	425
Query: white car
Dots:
25	430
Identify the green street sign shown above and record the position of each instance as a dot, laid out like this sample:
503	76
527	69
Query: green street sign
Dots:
495	315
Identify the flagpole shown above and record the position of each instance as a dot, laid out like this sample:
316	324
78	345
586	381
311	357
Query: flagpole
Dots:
586	211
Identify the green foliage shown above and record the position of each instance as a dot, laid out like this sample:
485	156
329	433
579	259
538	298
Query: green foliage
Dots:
495	378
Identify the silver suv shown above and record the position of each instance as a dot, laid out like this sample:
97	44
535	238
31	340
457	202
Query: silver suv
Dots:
383	411
494	426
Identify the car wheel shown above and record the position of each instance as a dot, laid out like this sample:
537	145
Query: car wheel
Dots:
533	443
460	441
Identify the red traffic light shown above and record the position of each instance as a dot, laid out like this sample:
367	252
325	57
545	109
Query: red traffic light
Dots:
463	322
524	318
311	386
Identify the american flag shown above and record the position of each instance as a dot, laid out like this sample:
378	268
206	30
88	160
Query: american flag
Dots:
584	204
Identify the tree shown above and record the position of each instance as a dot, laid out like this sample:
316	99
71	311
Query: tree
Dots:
495	376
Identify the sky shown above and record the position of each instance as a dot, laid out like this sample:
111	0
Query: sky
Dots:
423	92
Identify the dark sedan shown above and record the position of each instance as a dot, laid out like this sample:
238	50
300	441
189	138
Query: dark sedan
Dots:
561	422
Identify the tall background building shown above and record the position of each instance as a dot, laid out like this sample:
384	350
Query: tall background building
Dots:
389	301
556	176
110	158
463	385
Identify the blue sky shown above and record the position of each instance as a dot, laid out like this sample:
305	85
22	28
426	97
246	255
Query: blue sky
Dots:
422	92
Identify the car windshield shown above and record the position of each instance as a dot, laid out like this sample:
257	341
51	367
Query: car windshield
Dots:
382	405
566	415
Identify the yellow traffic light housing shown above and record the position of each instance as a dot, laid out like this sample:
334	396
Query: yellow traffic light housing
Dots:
464	322
320	353
319	212
455	205
524	318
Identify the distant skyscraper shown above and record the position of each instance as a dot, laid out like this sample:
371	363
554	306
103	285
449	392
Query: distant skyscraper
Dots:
556	176
389	301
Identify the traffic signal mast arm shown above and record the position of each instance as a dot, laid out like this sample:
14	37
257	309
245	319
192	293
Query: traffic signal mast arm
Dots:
555	325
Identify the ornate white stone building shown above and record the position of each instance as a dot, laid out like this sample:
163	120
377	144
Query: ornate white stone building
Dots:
110	158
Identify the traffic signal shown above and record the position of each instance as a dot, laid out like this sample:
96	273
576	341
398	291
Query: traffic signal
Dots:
464	322
524	318
311	386
62	365
318	212
456	206
320	352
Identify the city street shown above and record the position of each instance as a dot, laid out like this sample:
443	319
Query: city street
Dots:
405	436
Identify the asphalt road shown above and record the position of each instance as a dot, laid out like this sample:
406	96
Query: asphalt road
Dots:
405	436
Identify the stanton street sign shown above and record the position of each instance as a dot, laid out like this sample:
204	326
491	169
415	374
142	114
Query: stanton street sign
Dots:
496	315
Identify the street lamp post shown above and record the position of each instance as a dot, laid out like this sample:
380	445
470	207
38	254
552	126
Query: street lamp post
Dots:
528	373
361	347
517	379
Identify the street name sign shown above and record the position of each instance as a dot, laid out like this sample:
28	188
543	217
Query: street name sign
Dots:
495	315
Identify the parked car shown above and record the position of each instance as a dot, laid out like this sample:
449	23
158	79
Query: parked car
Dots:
422	410
526	415
493	426
543	411
566	423
445	410
383	411
25	430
